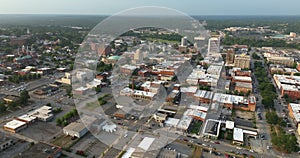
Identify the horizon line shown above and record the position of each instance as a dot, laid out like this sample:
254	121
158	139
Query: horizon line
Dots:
71	14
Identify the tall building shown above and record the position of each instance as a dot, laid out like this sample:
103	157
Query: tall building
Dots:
230	56
293	34
138	55
199	43
242	61
184	41
214	45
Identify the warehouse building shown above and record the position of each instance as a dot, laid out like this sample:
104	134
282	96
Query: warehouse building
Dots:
75	129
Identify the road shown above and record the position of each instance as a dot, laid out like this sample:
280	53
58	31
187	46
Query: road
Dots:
262	125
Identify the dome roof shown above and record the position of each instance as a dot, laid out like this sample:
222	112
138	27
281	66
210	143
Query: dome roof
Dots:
114	57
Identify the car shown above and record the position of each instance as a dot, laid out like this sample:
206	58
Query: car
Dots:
216	142
268	147
251	150
239	148
204	144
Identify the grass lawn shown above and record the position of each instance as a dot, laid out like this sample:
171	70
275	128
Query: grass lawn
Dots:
91	106
64	141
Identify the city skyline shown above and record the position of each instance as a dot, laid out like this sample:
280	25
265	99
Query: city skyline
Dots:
100	7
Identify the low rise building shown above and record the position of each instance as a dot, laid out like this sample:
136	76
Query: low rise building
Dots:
66	79
243	87
294	112
234	101
45	90
203	96
184	122
189	91
196	114
159	117
81	90
238	136
26	118
93	84
43	113
287	61
137	94
75	129
288	85
6	142
14	126
128	69
244	79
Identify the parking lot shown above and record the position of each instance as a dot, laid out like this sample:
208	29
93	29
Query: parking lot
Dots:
41	131
91	145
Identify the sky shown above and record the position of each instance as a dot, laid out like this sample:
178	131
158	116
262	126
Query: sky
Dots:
191	7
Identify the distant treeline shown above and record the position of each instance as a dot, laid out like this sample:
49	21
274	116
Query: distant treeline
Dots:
253	42
213	22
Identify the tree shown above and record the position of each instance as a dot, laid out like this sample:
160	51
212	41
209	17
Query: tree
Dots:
272	117
58	121
2	107
255	56
281	122
69	91
268	101
97	89
236	92
24	97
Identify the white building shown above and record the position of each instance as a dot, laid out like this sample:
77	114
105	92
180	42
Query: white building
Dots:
43	113
214	45
184	41
238	136
94	83
14	126
75	129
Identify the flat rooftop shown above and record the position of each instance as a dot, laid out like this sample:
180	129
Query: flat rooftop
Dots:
296	111
14	124
238	134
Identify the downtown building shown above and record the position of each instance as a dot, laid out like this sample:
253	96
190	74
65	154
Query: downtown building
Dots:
288	85
214	45
242	61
